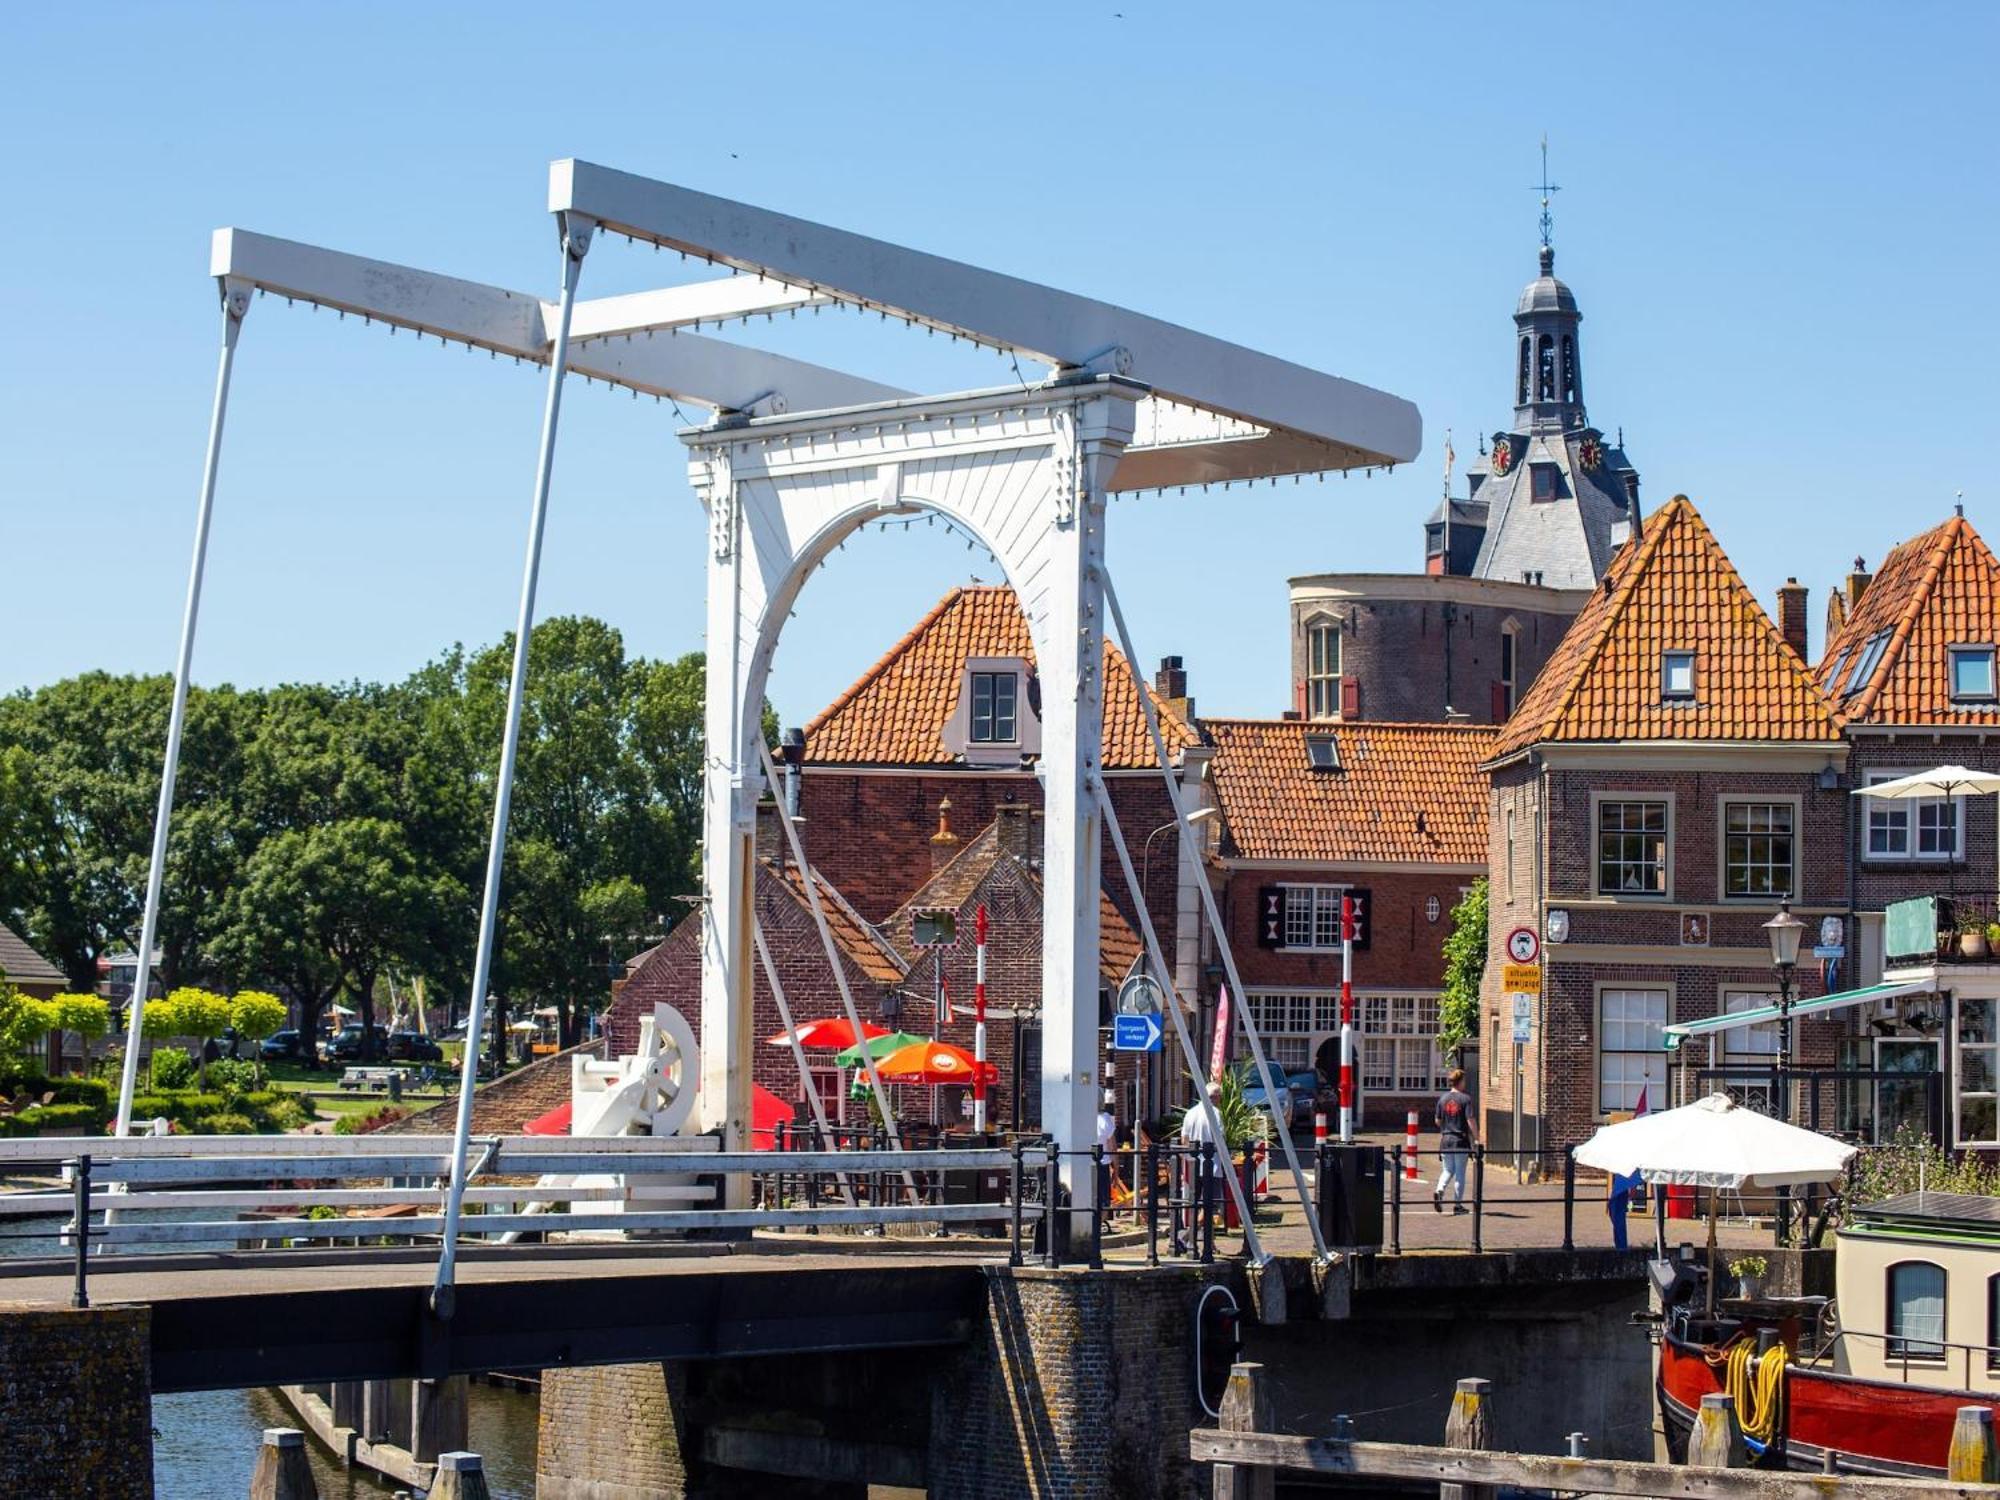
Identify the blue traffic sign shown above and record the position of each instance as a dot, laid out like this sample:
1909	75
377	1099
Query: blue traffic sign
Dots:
1136	1033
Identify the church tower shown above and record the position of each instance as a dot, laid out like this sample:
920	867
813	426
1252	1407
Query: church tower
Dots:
1550	499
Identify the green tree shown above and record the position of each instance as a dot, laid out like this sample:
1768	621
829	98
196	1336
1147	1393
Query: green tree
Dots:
88	1016
1464	968
255	1015
198	1013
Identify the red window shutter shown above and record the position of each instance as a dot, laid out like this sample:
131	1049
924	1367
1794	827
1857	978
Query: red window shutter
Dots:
1499	702
1350	698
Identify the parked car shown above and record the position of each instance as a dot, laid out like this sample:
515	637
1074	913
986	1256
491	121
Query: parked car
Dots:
1312	1094
413	1046
1280	1109
283	1046
346	1047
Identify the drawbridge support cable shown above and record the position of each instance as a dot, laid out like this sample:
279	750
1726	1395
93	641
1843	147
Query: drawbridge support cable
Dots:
1233	1181
792	1035
1208	905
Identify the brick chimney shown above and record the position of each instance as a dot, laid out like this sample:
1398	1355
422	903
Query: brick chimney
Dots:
1171	683
1020	831
1792	616
944	843
1857	583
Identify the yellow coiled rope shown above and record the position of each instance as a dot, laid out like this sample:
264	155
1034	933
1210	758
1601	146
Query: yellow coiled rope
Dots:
1757	1386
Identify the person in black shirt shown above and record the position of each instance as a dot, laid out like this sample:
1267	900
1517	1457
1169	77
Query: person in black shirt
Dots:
1455	1137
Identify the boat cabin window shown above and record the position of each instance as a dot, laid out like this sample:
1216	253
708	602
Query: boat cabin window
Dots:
1916	1310
1993	1322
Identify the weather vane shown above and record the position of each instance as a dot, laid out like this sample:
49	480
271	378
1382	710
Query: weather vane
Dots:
1547	187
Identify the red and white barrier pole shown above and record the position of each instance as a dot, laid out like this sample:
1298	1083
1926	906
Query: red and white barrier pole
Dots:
1319	1127
1410	1148
1346	1020
979	1021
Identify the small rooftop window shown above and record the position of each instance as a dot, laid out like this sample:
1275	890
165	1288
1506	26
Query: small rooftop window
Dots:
1544	480
1323	752
1677	675
1972	674
1865	662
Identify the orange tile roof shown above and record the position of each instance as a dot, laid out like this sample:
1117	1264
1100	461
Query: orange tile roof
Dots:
862	944
895	714
1392	778
1934	591
1672	589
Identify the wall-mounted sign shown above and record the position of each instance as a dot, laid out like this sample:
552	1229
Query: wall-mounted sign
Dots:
1524	1018
1523	946
1558	925
1694	929
1521	979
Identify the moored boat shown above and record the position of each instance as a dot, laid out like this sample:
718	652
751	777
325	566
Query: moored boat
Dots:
1875	1379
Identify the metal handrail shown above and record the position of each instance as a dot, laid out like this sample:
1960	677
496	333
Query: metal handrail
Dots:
1923	1361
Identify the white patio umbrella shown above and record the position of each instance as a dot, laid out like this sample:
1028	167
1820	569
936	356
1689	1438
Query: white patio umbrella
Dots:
1714	1143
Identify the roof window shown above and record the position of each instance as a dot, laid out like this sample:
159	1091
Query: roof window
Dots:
1833	676
1972	674
1545	484
1322	752
1865	663
1677	675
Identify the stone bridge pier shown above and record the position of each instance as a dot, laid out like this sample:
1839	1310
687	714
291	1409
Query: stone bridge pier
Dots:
1071	1382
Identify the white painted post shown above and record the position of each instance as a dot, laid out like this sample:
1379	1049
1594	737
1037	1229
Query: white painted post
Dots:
235	303
575	231
1072	693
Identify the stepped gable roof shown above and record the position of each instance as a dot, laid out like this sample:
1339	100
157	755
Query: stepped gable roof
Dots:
1934	591
20	964
1672	589
955	886
1402	793
862	945
896	712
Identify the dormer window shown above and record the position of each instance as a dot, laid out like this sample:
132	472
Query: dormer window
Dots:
1677	676
1972	674
1323	752
995	720
1546	484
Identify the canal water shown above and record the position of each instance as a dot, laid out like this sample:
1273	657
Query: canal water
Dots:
205	1443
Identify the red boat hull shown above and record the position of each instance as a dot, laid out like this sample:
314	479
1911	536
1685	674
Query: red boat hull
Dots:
1873	1427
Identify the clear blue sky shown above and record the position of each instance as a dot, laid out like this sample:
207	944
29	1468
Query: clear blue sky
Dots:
1780	221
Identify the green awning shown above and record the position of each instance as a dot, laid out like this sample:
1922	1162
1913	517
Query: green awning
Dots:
1675	1035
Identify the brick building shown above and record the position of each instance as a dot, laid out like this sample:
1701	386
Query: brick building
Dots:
1391	814
1670	777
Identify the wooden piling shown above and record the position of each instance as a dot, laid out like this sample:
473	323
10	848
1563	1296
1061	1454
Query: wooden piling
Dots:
1717	1439
1972	1456
460	1476
1246	1407
1470	1425
437	1418
282	1471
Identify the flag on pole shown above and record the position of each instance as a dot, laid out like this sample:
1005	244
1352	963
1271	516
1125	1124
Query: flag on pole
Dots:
1219	1057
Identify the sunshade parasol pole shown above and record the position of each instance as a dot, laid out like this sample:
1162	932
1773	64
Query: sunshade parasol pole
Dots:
1711	1252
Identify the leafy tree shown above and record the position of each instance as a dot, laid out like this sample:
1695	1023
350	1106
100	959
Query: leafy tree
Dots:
89	1016
255	1015
1464	968
201	1014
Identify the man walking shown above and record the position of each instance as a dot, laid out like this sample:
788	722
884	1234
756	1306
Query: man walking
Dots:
1455	1139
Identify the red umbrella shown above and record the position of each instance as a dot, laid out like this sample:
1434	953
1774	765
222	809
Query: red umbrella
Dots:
766	1111
832	1033
932	1062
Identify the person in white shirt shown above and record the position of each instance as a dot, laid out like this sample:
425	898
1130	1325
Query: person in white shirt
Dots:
1197	1131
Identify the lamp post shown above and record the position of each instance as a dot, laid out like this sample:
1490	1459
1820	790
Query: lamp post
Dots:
1199	815
1784	930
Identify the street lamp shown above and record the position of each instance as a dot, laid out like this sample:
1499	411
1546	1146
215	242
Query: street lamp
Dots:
1199	815
1784	930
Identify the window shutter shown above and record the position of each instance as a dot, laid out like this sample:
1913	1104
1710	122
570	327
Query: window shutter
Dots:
1299	700
1350	698
1270	916
1364	916
1499	702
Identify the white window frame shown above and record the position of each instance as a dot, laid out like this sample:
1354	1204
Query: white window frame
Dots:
1597	801
1726	800
1990	1051
1656	1054
1926	1350
1907	813
1322	684
1668	692
1324	917
1510	663
1746	1046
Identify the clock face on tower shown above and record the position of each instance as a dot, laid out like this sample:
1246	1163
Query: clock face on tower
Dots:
1591	452
1503	456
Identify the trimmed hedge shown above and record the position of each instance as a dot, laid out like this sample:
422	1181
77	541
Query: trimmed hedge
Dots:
94	1091
32	1122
